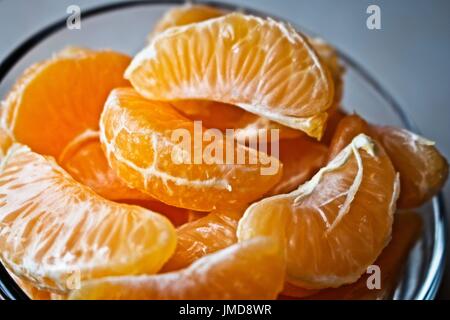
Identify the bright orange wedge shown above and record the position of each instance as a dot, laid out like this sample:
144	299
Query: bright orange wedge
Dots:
86	162
302	158
262	66
59	99
186	14
423	170
52	227
138	137
248	270
405	232
208	234
336	224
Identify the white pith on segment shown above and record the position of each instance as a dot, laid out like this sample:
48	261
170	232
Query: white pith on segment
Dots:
253	222
303	106
52	226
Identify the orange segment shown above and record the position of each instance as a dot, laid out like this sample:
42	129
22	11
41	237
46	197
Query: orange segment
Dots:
138	136
262	66
225	116
336	224
347	129
336	114
52	227
208	234
186	14
69	90
423	169
302	158
86	162
331	60
249	270
405	232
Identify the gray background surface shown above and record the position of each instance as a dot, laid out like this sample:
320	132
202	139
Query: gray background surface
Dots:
410	55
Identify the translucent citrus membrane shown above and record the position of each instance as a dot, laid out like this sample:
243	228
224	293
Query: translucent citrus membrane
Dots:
405	233
422	168
252	269
205	235
185	14
70	89
54	230
138	136
84	159
259	65
336	224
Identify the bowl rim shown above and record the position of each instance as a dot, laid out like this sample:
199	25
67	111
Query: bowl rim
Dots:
10	290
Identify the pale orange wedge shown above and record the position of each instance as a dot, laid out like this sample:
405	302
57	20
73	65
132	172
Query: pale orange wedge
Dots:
262	66
56	100
52	227
405	232
337	223
248	270
208	234
86	162
138	136
186	14
423	170
302	158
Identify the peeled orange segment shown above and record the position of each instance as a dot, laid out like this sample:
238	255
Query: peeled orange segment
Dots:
86	162
208	234
423	169
52	227
302	158
406	230
347	129
225	116
138	136
186	14
69	90
262	66
337	223
330	57
252	269
336	114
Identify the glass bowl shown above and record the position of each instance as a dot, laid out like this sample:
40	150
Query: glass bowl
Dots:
124	27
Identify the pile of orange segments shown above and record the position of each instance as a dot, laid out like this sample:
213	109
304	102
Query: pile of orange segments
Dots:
96	204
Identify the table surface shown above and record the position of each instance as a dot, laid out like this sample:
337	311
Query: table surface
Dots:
409	55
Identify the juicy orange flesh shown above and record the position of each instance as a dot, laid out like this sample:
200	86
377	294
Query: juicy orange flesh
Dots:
423	170
302	158
67	87
273	90
336	224
207	278
201	237
141	149
87	164
406	230
53	226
